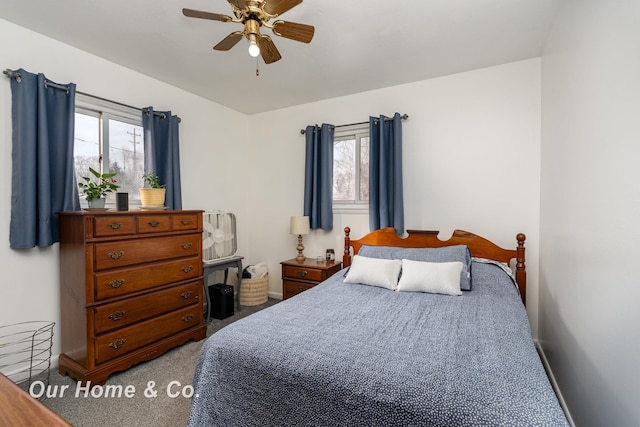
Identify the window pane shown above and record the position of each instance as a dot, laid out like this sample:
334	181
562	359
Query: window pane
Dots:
86	148
364	168
344	154
126	157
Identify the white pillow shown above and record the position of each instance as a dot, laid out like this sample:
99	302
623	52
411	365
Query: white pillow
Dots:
374	272
433	277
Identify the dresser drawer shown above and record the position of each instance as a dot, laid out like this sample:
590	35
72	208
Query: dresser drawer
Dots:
154	223
114	283
130	252
123	313
298	276
104	226
122	341
302	273
292	288
183	222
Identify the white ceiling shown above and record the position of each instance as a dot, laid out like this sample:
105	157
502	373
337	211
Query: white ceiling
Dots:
359	45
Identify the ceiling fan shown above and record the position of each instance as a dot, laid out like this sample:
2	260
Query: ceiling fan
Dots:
254	14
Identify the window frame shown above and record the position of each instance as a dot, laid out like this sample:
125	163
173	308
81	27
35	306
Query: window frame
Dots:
105	111
357	133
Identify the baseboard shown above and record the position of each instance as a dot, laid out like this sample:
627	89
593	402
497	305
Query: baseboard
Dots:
23	370
554	383
275	295
54	363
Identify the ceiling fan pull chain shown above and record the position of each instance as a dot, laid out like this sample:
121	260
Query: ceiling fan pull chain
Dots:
257	69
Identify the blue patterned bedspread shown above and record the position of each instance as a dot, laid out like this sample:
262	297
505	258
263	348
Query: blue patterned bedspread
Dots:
354	355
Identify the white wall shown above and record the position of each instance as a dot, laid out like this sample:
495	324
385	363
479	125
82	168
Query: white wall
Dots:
589	317
213	144
471	151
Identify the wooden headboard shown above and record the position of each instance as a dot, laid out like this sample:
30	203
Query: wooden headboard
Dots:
479	247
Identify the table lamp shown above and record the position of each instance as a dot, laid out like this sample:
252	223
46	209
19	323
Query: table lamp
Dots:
299	225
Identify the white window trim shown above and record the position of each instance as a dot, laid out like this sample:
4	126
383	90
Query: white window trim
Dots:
350	206
122	112
106	110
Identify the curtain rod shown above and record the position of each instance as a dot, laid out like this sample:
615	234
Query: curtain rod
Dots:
403	117
12	74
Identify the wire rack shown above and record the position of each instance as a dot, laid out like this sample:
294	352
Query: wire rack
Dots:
25	352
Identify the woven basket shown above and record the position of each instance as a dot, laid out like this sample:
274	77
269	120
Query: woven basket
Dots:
254	291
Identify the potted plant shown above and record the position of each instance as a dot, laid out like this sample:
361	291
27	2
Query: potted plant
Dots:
97	188
153	195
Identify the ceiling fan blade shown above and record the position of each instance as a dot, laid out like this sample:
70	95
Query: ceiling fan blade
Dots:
240	4
268	50
230	41
205	15
291	30
278	7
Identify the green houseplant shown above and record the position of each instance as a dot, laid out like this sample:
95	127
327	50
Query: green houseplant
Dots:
151	179
153	195
97	188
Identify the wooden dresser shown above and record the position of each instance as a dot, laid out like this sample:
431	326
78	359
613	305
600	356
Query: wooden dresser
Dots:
298	276
131	288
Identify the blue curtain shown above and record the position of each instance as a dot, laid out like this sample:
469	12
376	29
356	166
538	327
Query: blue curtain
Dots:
318	176
42	178
386	206
162	153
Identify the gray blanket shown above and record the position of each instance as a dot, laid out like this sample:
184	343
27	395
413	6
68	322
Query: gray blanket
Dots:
354	355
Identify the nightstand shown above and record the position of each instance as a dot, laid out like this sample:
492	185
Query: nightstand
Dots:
298	276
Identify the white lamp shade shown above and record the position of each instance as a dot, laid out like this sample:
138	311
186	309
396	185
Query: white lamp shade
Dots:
299	225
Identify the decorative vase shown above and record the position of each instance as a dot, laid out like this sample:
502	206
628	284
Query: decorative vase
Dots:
152	197
96	203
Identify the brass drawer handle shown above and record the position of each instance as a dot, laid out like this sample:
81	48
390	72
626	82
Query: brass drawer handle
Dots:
186	221
115	284
187	268
186	294
116	315
115	225
118	343
302	273
188	318
115	255
154	223
186	245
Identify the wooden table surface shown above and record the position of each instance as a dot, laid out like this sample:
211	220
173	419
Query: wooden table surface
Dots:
18	408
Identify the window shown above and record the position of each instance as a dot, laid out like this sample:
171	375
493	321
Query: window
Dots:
108	138
351	168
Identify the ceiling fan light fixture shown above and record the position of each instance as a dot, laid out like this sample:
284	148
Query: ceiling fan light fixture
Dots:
254	49
254	15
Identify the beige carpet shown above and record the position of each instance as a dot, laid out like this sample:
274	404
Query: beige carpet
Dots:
167	375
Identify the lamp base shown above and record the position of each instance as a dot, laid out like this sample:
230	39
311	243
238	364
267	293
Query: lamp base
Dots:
300	247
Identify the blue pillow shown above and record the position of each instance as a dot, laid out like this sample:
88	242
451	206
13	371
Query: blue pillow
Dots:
446	254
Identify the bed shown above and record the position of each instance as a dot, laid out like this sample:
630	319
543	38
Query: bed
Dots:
351	354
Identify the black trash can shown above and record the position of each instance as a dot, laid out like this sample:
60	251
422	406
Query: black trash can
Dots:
221	297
